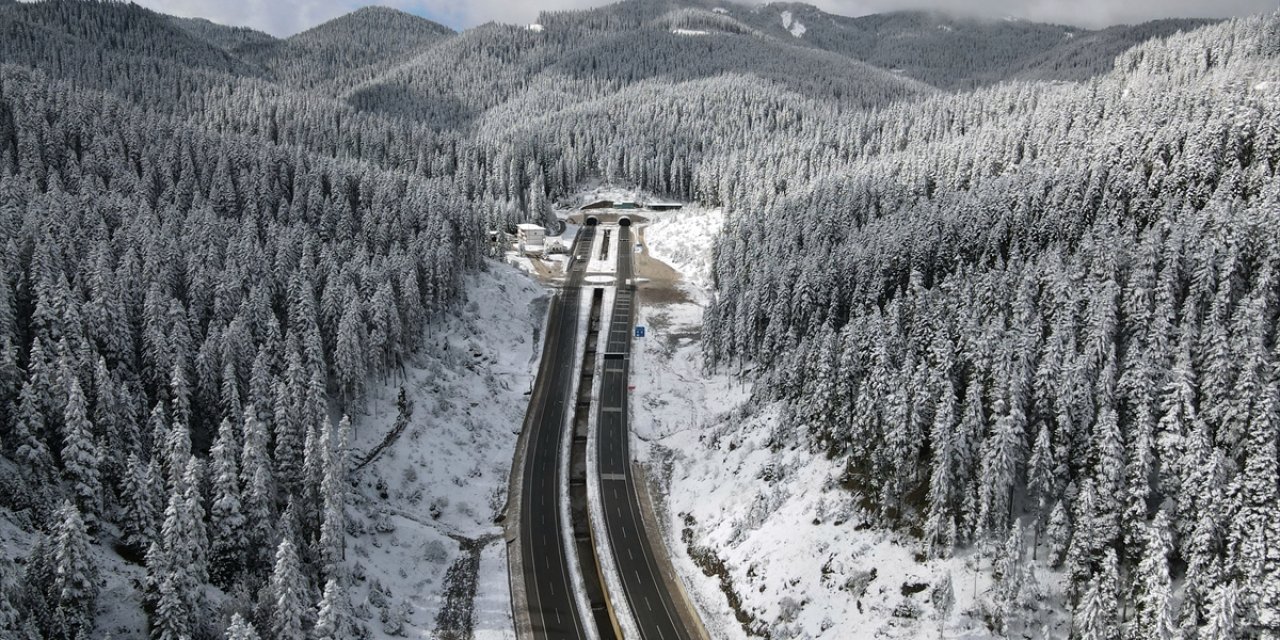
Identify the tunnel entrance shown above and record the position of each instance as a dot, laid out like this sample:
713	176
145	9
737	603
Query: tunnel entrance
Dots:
593	221
624	222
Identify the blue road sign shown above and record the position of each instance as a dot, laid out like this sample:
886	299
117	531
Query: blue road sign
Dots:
639	331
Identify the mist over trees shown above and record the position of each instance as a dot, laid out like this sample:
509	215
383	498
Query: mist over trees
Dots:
1037	306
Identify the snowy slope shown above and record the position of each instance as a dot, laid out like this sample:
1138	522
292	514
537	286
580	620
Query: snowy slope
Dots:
445	476
764	533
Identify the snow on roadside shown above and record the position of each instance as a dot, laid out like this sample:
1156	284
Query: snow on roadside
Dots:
683	240
444	478
493	596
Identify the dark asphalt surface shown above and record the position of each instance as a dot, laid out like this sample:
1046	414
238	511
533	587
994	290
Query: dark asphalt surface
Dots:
553	609
647	593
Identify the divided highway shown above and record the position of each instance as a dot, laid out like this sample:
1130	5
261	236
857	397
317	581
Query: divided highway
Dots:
644	588
549	594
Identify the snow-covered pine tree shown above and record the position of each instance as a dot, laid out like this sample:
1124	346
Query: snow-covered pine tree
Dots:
241	629
138	517
1002	456
32	449
288	593
74	590
258	494
332	618
81	457
334	490
1040	480
1009	573
226	516
1097	616
1222	621
349	356
290	429
1153	616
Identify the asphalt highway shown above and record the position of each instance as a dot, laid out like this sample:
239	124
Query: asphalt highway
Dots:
553	609
643	586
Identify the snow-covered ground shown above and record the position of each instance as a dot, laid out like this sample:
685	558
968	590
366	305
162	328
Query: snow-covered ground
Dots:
442	481
790	23
683	238
752	518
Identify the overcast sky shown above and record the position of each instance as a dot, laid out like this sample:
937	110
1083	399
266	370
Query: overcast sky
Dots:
286	17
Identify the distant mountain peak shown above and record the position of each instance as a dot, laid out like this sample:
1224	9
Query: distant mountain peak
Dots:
372	19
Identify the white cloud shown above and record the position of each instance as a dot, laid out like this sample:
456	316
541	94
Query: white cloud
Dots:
291	16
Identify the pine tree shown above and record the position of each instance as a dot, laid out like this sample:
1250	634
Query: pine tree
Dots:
313	459
1222	623
1253	530
177	452
81	456
241	629
1059	535
74	590
1154	616
1096	618
194	522
1001	458
335	486
331	615
289	425
138	518
940	519
173	619
226	517
258	493
1040	478
288	593
183	552
29	437
349	358
1009	575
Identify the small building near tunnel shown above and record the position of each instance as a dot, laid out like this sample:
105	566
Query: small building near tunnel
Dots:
531	238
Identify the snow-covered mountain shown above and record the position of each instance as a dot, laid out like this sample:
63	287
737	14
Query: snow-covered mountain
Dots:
998	290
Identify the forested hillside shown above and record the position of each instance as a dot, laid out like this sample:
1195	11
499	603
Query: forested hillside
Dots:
1035	304
1050	307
